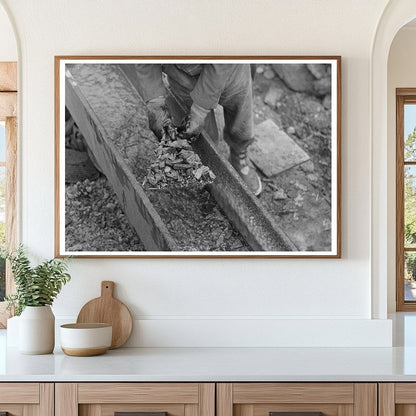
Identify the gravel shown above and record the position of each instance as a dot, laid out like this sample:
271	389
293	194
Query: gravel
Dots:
95	220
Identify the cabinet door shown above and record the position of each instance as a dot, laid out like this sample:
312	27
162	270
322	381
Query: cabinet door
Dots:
397	399
141	399
26	399
297	399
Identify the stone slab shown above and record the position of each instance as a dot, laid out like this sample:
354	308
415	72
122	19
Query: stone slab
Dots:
273	151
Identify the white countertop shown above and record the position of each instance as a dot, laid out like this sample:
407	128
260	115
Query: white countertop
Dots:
215	364
222	364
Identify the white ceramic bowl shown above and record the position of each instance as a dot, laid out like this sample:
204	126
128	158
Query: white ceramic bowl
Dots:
84	340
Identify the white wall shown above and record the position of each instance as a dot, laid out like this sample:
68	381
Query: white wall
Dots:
203	302
8	47
401	74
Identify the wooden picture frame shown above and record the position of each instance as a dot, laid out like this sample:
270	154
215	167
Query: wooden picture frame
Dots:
100	112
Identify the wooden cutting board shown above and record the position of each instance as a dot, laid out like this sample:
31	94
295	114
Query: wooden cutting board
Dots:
108	310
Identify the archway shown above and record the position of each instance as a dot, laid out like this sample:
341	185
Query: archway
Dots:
395	16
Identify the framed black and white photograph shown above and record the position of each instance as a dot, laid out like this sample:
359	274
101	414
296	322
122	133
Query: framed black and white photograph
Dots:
198	156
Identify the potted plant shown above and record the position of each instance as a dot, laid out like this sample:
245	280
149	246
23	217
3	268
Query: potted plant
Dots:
36	289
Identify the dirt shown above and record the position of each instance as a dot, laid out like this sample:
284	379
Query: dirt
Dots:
299	198
193	214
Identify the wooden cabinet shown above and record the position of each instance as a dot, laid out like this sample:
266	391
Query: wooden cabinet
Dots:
106	399
27	399
208	399
268	399
397	399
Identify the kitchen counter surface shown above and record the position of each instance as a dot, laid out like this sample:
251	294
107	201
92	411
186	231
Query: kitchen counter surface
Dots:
215	364
222	364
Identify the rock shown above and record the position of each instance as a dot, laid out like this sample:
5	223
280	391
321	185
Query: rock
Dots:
310	105
308	166
288	208
260	69
327	102
318	70
273	151
312	177
216	233
326	223
296	76
235	245
320	121
299	200
310	78
220	240
292	193
279	195
301	187
273	95
269	73
322	86
291	130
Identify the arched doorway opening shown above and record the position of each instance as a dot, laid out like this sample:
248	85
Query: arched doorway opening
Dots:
383	240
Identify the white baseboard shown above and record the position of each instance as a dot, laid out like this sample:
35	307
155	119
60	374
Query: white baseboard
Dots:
189	332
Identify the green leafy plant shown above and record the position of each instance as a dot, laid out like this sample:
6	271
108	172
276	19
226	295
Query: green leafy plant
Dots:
38	285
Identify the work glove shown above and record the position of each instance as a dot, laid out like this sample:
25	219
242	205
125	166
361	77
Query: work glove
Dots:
195	122
157	113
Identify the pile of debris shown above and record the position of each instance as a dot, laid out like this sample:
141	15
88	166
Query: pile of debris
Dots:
176	164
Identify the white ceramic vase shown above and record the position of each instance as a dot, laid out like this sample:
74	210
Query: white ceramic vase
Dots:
37	330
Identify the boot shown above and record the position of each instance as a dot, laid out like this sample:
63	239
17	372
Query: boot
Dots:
247	172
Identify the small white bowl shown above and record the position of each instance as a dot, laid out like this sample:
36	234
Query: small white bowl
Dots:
83	340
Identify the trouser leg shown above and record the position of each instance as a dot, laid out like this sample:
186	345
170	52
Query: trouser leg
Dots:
237	100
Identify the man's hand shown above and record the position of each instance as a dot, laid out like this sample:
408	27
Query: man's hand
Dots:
157	113
196	121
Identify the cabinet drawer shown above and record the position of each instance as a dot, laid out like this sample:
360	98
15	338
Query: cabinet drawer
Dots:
146	399
397	399
297	399
138	393
19	393
21	399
